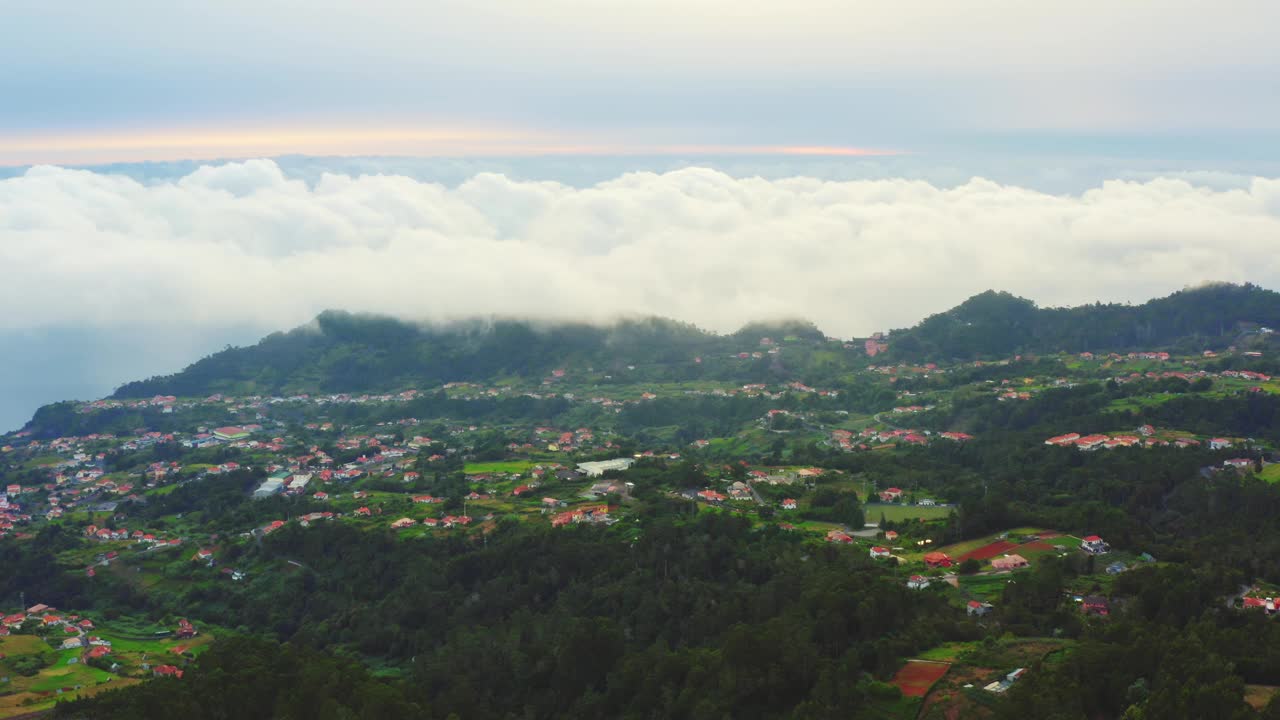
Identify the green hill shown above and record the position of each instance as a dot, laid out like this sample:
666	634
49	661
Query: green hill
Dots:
345	352
998	324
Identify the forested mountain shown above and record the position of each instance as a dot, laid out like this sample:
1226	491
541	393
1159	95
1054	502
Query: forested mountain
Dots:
345	352
997	324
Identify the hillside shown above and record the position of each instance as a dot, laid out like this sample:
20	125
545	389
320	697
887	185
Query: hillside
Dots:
648	520
994	324
345	352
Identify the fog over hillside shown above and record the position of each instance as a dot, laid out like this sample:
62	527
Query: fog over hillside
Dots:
227	252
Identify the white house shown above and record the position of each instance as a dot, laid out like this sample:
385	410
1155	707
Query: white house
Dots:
1094	545
599	467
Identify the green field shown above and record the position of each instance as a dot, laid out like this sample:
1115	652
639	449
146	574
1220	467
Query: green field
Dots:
65	674
946	652
900	513
42	461
508	466
1270	473
985	587
1138	402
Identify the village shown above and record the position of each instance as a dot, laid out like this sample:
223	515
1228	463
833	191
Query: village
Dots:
302	461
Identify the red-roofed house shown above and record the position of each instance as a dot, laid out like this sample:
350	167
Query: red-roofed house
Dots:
937	559
892	494
789	504
978	608
880	552
1091	442
711	496
1067	439
1095	605
1093	544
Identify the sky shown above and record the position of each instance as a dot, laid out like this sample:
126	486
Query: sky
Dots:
146	79
177	176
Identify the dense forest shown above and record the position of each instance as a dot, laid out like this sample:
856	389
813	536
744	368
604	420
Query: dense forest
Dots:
997	324
344	352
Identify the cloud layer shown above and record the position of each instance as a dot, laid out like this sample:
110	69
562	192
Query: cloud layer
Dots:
244	244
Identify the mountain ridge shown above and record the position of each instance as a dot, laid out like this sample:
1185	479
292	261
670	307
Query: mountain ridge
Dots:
341	351
998	323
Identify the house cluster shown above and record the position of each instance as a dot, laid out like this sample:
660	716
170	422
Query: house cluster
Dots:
905	369
446	521
1096	441
140	537
1268	605
75	627
1147	436
591	514
873	439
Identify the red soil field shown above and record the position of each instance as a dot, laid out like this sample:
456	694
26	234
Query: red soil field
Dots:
917	676
986	552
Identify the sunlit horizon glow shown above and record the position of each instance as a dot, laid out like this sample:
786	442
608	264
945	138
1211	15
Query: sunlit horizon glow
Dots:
207	144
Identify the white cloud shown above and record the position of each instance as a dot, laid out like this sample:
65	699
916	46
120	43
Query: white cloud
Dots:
242	243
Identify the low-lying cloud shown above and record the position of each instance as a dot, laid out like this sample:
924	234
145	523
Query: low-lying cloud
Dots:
242	243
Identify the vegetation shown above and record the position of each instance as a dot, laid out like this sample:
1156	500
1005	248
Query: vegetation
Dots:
686	586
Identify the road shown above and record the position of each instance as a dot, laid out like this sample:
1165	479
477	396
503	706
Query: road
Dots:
1233	599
